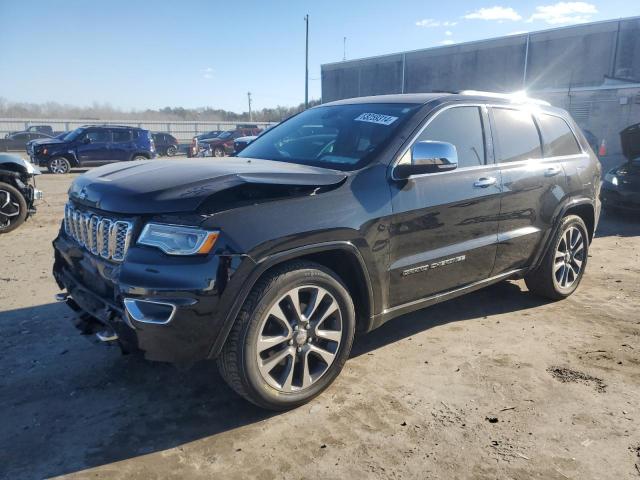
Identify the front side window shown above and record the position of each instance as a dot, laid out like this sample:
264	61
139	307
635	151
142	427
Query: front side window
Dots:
516	136
558	139
461	127
98	136
342	137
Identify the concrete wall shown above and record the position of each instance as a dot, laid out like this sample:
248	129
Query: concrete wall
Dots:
557	64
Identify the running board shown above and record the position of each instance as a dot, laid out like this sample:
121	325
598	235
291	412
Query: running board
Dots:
398	310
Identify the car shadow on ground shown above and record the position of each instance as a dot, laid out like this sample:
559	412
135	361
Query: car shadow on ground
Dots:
81	406
620	223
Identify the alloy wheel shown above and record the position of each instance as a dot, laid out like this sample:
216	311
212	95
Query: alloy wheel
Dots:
569	257
58	165
9	209
299	338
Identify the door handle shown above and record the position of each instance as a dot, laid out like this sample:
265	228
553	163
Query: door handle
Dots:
484	182
551	171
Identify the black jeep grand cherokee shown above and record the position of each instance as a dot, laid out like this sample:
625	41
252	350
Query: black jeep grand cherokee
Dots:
269	261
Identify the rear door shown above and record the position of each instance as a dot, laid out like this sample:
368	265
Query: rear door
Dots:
444	226
533	186
121	145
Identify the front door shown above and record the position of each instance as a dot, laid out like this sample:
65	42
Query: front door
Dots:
444	226
93	146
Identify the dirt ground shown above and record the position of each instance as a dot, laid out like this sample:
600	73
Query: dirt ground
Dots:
497	384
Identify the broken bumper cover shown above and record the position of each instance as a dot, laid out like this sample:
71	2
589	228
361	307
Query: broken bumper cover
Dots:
167	307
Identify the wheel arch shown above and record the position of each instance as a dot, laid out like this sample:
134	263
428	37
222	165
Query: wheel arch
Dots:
342	257
582	207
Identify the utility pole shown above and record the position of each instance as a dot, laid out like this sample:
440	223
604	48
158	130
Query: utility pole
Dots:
250	115
306	66
344	48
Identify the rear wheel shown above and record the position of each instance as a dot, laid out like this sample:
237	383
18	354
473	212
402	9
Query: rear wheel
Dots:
562	267
13	208
171	151
139	157
59	165
291	338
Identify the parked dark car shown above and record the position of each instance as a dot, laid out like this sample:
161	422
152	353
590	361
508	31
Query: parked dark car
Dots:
19	141
241	143
621	186
166	144
223	144
93	145
37	129
270	261
18	191
209	134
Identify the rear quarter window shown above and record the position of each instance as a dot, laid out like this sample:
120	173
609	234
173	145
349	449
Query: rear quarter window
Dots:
557	137
515	134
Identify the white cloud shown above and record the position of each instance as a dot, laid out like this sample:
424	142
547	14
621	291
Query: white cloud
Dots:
518	32
430	22
448	33
447	41
564	12
207	73
494	13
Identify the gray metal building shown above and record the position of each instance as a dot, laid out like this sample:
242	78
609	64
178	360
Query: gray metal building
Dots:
592	70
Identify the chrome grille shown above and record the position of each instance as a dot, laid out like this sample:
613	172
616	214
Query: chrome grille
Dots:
102	236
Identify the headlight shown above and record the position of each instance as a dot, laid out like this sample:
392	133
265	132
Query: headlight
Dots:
611	178
176	240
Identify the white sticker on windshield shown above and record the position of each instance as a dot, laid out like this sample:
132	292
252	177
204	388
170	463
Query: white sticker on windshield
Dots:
376	118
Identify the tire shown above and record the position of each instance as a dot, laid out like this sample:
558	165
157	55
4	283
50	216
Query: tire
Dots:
561	271
138	157
13	208
171	151
59	166
280	385
219	152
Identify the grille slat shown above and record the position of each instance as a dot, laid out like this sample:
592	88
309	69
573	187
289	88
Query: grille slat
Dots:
100	235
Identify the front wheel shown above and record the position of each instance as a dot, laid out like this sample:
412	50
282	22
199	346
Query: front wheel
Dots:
218	152
563	266
59	165
291	338
13	208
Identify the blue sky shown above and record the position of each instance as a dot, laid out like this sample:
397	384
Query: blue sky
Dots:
134	54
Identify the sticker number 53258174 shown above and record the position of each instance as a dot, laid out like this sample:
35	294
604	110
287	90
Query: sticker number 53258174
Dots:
376	118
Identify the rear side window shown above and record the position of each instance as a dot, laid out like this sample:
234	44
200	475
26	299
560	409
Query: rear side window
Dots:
516	136
462	127
557	137
121	135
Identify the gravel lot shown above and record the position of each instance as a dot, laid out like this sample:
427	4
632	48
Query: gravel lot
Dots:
497	384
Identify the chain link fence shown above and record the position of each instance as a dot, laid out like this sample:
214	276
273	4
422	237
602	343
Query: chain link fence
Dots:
184	131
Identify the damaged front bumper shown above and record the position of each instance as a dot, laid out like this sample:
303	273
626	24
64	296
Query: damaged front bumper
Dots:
167	307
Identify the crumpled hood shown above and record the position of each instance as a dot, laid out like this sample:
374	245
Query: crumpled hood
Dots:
172	186
46	141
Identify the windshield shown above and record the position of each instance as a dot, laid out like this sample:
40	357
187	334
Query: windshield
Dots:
342	137
224	135
69	137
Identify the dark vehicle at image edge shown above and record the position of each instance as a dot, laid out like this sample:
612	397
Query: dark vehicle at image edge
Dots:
18	191
621	186
269	261
93	145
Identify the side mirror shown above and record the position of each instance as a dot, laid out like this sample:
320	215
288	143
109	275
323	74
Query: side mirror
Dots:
428	157
86	140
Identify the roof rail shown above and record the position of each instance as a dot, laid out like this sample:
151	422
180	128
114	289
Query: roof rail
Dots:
515	97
